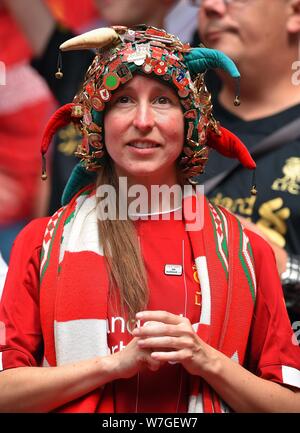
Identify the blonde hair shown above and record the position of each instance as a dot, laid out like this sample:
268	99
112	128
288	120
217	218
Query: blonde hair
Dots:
125	265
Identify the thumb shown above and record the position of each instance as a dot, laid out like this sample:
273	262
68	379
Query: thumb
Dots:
154	365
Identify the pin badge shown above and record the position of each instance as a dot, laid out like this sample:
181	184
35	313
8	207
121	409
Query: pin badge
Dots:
147	66
129	35
104	94
87	118
95	140
191	114
173	270
111	81
124	73
161	68
190	129
183	93
97	104
137	58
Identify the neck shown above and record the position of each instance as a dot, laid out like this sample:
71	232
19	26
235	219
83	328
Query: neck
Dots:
148	195
265	89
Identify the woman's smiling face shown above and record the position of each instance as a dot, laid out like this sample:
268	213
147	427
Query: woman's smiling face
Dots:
144	130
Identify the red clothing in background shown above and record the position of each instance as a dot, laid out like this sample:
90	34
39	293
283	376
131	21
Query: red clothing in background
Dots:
25	106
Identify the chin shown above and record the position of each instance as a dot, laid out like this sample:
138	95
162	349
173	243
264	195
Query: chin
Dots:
142	173
146	173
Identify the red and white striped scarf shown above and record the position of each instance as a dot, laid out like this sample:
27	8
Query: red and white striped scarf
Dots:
74	294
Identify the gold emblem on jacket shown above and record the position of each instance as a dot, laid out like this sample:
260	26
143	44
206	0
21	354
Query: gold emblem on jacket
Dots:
198	293
273	220
290	182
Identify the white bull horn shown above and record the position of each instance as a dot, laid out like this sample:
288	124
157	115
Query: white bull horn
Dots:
98	38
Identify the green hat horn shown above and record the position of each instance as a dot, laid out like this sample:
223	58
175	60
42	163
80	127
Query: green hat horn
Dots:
198	60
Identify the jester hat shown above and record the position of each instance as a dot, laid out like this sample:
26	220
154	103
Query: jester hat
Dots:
122	53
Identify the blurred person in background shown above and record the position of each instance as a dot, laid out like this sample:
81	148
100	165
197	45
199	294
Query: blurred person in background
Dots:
177	16
47	34
25	105
263	40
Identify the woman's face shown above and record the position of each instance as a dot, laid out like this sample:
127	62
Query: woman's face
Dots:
144	131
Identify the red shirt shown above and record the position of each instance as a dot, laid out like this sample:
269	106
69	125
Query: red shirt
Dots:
178	294
272	354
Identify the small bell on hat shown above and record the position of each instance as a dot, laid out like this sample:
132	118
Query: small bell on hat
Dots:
44	170
59	74
253	190
237	100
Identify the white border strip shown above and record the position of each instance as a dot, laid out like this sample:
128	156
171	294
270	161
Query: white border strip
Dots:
196	404
202	271
290	376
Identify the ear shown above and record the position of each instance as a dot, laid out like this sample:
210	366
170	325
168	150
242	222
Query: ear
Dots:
293	22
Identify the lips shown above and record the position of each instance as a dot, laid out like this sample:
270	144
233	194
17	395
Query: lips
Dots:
143	144
215	33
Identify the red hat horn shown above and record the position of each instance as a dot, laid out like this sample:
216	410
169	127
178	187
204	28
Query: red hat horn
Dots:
62	117
231	146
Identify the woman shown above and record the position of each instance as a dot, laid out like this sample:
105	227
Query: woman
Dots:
137	314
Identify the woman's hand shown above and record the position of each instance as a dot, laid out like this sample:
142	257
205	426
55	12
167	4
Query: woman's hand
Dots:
133	359
172	338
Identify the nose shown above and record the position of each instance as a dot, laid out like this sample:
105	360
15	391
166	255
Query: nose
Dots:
213	7
144	117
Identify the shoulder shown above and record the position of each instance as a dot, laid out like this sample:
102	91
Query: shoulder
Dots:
29	240
260	247
269	288
258	244
263	255
23	272
33	232
262	251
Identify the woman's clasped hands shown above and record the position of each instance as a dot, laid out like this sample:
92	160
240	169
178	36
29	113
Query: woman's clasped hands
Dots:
164	337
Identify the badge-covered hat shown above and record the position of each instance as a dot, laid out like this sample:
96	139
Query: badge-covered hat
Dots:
122	53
